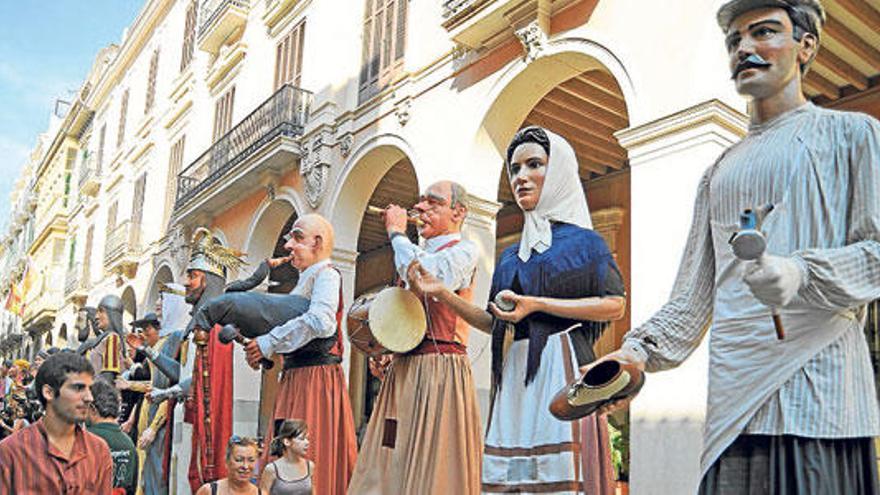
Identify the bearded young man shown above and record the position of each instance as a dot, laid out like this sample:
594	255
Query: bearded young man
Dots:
56	454
424	433
791	415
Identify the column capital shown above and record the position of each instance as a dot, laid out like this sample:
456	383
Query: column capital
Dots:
344	259
481	212
711	120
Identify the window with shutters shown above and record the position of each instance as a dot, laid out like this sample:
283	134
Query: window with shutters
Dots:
223	113
175	163
288	57
384	43
87	257
137	211
189	36
111	217
71	256
151	83
99	162
123	110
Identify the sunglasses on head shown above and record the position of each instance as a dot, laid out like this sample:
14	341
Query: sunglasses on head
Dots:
239	440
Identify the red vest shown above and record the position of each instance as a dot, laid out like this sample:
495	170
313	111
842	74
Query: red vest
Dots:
446	332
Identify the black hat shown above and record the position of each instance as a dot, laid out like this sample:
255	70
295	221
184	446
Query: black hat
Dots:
734	8
148	319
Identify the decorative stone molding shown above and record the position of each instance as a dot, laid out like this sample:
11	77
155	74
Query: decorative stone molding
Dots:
344	259
711	120
481	212
533	40
401	110
176	245
315	169
346	143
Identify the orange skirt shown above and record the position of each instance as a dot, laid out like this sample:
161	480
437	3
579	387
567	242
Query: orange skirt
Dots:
424	434
317	395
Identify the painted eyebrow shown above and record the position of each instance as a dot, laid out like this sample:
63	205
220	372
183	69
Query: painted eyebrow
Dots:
734	35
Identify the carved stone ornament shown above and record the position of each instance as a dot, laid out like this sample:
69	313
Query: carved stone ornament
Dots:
314	168
533	40
401	109
346	142
178	247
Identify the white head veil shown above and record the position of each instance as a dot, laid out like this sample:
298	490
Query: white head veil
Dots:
562	199
175	310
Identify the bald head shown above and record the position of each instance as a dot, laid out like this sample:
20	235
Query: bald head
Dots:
310	241
318	227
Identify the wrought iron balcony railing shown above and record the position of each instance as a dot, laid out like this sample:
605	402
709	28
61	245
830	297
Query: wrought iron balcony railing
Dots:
284	114
89	176
220	19
452	7
73	279
123	242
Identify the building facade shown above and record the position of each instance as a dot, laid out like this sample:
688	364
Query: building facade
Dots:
241	115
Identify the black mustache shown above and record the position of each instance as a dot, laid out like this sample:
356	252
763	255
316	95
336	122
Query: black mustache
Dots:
753	61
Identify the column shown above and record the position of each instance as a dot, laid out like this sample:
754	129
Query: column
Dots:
479	227
668	157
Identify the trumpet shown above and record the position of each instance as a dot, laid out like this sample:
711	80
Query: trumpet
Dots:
412	215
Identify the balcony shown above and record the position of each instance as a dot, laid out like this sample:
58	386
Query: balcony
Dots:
479	24
89	177
267	139
276	10
123	248
221	20
75	288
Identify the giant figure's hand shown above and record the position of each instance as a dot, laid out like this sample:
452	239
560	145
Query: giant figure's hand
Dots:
423	281
146	438
624	356
395	219
159	395
774	280
253	354
379	365
523	306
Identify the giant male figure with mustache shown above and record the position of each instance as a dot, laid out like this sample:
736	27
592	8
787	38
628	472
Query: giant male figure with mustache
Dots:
796	414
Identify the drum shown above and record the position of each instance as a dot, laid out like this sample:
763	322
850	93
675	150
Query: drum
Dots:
391	320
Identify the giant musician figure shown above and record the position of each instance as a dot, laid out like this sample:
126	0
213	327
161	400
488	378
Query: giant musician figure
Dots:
424	433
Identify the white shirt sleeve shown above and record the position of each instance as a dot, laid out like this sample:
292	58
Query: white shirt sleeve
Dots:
454	266
318	322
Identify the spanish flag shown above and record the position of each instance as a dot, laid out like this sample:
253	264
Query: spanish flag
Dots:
13	301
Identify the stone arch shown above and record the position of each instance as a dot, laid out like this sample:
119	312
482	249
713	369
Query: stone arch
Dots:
522	85
580	89
129	305
380	171
267	222
163	275
359	178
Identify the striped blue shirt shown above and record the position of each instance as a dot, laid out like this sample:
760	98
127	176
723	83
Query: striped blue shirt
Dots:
833	394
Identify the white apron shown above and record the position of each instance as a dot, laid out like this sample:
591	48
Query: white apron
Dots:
747	363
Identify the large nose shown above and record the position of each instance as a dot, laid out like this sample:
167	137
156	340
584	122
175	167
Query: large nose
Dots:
87	396
289	245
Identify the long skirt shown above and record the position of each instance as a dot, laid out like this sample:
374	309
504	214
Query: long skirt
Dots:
530	451
317	395
154	481
424	433
787	464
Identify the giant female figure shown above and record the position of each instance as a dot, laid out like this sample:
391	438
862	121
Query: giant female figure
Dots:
562	286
